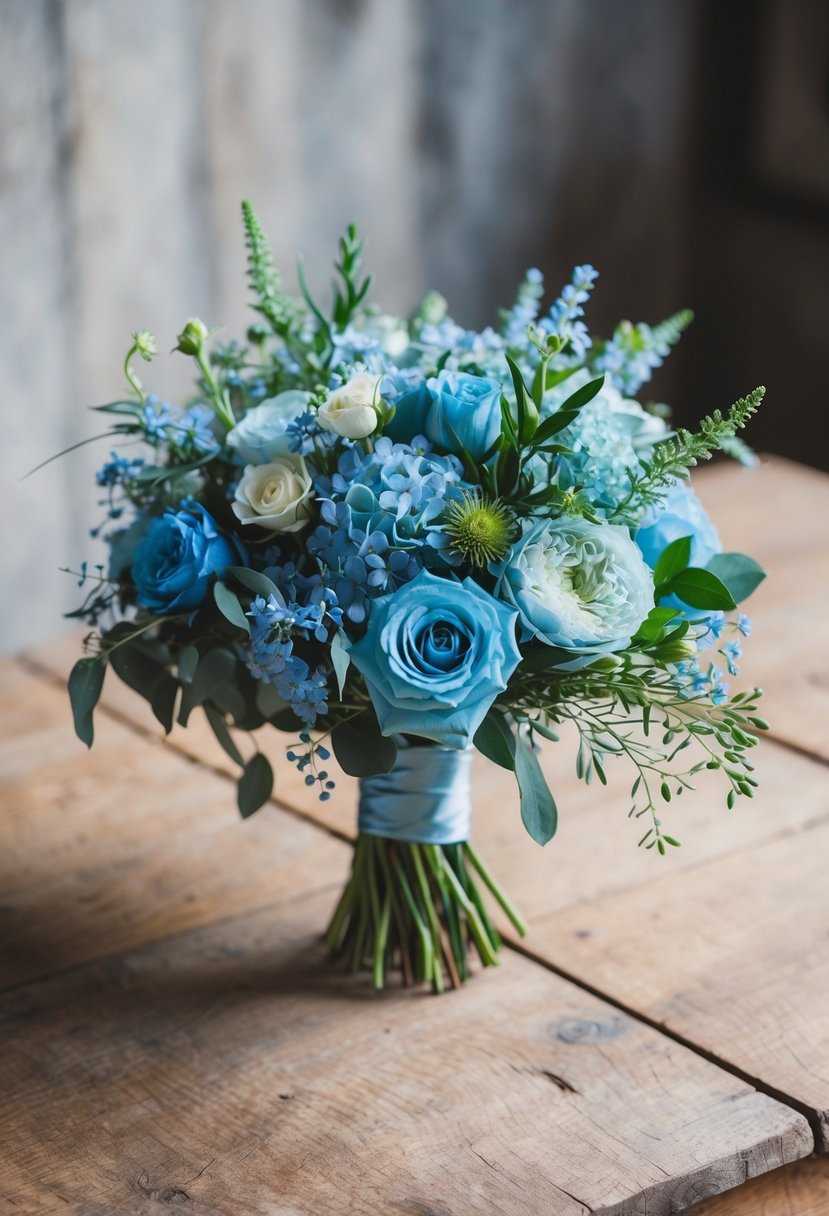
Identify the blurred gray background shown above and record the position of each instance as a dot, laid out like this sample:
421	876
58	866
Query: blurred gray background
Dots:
682	147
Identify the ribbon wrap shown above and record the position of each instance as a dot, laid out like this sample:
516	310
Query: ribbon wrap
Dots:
426	798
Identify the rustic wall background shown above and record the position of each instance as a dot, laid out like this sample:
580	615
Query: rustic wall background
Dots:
468	138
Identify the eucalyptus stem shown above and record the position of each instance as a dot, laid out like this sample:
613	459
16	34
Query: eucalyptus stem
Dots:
418	910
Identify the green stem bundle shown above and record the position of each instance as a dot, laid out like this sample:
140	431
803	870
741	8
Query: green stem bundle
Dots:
417	908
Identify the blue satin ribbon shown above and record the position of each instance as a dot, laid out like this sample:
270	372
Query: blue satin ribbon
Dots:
426	798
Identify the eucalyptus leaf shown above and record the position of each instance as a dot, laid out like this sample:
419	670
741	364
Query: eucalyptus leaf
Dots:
86	680
740	573
227	602
215	669
340	660
538	808
360	748
219	726
255	785
254	580
495	740
188	661
163	701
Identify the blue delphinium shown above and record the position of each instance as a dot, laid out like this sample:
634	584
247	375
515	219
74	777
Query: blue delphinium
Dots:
525	309
563	319
635	351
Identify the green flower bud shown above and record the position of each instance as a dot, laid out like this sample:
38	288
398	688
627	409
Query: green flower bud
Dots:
192	337
144	343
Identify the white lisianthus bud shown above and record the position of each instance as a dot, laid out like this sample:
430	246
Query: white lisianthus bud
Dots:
276	496
350	411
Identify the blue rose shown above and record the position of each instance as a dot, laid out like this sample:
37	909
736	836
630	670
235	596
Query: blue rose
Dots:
436	655
578	586
262	434
679	514
410	409
465	410
172	565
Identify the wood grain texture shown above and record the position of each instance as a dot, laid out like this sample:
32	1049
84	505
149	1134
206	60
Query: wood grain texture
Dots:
788	652
104	850
800	1189
230	1070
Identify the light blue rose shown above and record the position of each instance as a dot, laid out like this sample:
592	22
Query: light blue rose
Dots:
173	564
465	410
579	586
679	514
435	656
261	434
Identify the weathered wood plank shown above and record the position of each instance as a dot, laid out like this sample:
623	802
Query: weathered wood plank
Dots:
730	956
230	1069
800	1189
779	513
106	850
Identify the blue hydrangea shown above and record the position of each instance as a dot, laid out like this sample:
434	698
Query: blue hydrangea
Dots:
270	658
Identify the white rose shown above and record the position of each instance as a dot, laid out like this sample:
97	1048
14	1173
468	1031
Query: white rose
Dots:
262	433
349	411
276	496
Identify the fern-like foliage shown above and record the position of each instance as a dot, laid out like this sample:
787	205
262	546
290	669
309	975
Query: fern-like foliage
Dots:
263	276
675	456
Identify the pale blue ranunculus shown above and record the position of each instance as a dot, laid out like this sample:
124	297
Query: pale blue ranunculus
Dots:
579	586
465	410
173	564
679	514
262	433
435	656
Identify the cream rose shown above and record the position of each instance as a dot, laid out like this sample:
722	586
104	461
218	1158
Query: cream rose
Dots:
276	496
349	411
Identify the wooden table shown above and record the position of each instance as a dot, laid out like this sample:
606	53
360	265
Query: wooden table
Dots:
172	1038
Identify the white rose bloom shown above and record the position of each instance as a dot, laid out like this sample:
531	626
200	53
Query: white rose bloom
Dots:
262	432
349	411
276	496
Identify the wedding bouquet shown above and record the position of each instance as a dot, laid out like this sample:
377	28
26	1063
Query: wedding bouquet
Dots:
399	540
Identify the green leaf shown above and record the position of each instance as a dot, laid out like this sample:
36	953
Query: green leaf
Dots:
86	680
188	661
340	660
137	670
163	701
227	602
215	668
741	574
527	409
128	408
360	748
538	808
255	785
584	394
218	724
654	625
256	582
495	740
672	560
699	589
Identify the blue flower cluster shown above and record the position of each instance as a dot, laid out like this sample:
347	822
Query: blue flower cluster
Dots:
380	514
274	623
564	318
